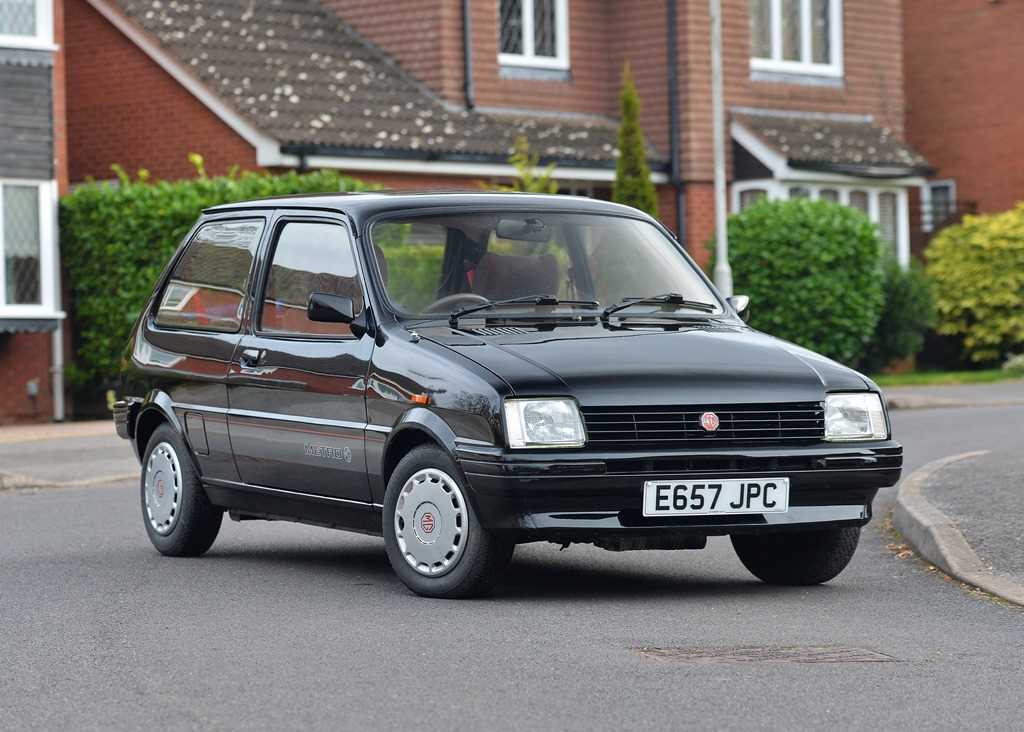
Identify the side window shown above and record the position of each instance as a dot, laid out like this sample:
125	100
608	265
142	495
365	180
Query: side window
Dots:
309	257
207	287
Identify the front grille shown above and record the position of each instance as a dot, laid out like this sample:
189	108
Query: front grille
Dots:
797	423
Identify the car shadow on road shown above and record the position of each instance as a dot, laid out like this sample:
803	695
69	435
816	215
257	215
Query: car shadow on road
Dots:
536	578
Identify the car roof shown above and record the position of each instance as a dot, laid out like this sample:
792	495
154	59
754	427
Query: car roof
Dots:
362	205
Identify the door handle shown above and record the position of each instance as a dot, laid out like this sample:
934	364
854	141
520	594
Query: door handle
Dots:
250	357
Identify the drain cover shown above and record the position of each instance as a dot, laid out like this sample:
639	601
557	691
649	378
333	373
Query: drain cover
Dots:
778	654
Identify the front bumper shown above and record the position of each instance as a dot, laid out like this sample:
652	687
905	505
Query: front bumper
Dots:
583	496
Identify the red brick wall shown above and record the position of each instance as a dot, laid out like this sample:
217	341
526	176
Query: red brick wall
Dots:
123	108
23	357
965	109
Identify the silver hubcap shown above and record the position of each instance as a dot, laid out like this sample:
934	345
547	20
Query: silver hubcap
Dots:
431	522
163	488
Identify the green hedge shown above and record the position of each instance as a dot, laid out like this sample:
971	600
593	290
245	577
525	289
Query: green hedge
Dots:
908	314
978	272
813	271
116	239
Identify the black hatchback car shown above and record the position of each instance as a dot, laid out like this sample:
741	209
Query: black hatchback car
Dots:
461	373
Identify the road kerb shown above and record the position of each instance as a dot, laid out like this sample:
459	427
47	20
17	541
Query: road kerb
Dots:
935	537
15	482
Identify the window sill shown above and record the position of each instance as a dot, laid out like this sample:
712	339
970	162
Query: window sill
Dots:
533	73
27	44
796	78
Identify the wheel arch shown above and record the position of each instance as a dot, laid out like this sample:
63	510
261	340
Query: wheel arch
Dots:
417	427
155	411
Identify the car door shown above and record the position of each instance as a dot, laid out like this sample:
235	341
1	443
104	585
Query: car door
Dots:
185	347
297	412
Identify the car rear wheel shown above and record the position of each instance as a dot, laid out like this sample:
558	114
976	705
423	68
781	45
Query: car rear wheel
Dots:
434	541
798	557
179	518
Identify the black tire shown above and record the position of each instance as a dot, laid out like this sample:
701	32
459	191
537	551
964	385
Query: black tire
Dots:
797	557
482	560
197	521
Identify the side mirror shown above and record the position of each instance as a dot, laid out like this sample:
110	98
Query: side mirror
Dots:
324	308
741	304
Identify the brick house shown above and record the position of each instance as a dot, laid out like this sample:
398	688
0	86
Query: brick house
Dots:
32	172
416	93
965	110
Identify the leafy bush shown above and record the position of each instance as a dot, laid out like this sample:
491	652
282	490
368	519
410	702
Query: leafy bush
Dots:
813	273
908	313
115	241
978	270
1014	364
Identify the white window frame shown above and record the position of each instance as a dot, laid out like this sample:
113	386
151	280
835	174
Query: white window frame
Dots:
805	66
49	262
43	39
527	58
778	190
927	210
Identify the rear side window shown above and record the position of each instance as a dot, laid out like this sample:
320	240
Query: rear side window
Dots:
309	257
207	287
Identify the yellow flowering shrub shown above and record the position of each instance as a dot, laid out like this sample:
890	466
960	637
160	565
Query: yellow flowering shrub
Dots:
977	268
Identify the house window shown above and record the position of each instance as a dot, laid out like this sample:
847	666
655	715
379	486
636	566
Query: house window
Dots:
26	23
940	205
28	276
534	33
751	196
797	36
22	245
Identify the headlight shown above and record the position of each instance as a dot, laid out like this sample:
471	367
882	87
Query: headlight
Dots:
854	417
543	423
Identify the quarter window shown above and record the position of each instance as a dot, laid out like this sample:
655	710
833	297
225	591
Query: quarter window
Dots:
534	33
26	23
206	290
309	257
796	36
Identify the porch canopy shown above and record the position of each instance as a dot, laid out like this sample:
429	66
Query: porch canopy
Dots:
847	159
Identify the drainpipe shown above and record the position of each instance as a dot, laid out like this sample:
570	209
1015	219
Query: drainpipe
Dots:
467	55
675	147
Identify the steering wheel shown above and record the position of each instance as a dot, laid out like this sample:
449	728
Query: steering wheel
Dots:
448	302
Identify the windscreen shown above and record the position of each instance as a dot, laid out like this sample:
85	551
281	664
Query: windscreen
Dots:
436	265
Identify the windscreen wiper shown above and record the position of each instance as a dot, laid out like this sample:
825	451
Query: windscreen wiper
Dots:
669	298
453	319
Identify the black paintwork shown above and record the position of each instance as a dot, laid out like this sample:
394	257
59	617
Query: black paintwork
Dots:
309	430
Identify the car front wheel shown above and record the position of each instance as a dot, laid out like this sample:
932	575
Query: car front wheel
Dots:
434	541
798	557
179	518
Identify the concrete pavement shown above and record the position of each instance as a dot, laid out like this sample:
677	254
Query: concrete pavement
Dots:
74	453
999	394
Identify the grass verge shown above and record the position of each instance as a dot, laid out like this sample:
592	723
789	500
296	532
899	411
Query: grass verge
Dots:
939	378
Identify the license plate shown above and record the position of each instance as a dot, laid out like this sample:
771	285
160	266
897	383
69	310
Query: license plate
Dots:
711	496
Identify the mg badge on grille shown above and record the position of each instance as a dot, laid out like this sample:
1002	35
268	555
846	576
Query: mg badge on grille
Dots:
709	421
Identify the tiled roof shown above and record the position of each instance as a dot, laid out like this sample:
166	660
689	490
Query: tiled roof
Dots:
303	77
842	145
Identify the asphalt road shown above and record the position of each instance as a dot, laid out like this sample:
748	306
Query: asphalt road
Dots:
282	626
